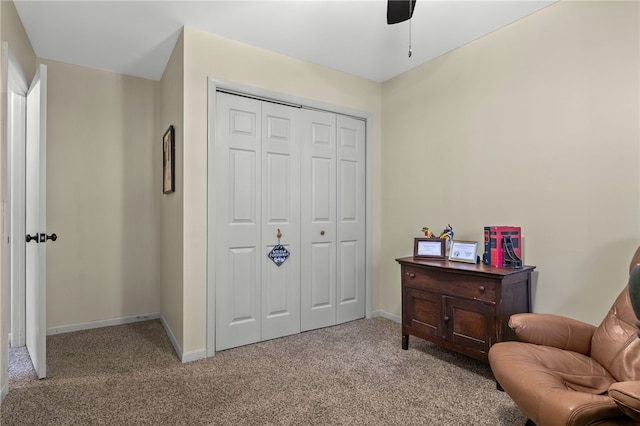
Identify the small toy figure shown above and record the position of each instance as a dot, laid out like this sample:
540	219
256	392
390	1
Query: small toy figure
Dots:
427	233
447	233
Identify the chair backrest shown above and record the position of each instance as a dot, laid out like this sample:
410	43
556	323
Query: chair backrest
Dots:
615	344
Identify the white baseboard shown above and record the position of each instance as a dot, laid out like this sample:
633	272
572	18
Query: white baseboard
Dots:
386	315
99	324
184	357
194	356
172	338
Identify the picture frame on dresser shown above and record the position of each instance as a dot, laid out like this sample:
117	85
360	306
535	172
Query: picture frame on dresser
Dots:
429	248
464	251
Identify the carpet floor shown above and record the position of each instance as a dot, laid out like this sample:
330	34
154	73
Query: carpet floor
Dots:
351	374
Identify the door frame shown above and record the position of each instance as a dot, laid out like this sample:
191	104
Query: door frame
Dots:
212	87
15	82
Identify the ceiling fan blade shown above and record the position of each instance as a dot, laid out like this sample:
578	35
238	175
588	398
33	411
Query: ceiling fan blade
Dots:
399	10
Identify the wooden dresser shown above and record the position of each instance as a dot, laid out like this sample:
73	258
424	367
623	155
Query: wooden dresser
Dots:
461	306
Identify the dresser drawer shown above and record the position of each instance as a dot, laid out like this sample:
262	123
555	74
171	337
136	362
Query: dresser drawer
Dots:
449	284
485	291
417	278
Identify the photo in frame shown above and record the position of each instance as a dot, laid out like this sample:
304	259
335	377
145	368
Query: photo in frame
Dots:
464	251
429	248
168	162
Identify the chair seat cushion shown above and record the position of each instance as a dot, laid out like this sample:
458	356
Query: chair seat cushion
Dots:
544	380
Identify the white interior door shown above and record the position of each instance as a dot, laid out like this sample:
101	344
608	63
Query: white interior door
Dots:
351	218
238	252
318	211
36	260
280	216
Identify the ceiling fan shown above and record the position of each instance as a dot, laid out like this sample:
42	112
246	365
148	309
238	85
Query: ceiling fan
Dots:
400	11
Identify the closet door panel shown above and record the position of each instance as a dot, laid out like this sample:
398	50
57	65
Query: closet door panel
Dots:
318	210
243	303
351	221
322	294
322	191
278	181
242	189
348	273
280	214
237	152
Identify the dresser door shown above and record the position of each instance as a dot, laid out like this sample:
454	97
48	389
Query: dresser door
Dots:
469	322
422	312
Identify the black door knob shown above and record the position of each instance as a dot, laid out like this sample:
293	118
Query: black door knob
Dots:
30	238
52	237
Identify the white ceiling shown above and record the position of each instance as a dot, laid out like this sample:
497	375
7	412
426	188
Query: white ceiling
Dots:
137	37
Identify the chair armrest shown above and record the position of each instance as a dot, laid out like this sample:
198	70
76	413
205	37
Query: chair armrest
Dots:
627	396
553	330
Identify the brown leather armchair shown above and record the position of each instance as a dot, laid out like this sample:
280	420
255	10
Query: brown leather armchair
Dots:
566	372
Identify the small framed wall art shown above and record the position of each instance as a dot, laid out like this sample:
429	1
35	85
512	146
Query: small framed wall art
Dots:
168	162
429	248
464	251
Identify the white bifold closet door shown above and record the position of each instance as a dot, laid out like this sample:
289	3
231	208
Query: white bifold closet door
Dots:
351	223
280	216
296	172
258	191
333	219
319	230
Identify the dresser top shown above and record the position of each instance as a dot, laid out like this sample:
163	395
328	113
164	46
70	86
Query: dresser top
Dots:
479	268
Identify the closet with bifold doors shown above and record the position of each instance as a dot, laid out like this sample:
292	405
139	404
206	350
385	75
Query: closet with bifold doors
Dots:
292	179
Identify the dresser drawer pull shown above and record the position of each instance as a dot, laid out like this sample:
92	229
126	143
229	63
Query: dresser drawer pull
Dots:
446	318
482	289
411	275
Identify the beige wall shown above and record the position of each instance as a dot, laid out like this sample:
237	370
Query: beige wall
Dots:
102	181
208	55
535	125
171	205
12	32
